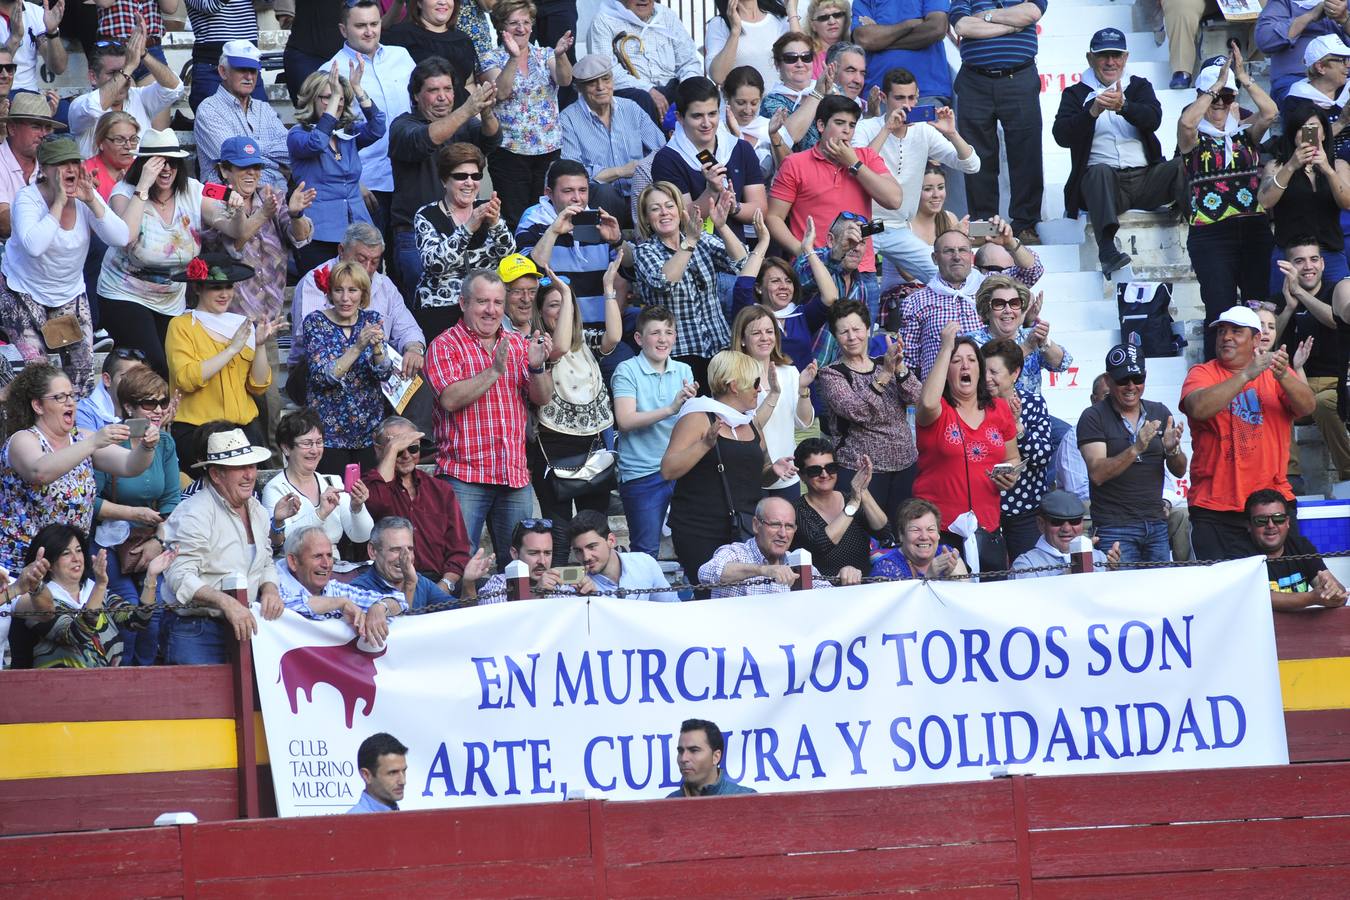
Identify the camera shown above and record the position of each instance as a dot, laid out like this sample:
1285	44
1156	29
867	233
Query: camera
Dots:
872	228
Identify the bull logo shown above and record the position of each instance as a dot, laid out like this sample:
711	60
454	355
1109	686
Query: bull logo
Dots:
345	667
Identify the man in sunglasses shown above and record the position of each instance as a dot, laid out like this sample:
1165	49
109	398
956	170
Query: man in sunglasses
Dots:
1126	442
532	544
1061	521
1294	583
1108	122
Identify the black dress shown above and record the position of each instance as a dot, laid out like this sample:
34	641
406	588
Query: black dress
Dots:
699	519
827	556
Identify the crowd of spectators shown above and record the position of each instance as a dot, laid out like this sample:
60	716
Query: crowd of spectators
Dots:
669	302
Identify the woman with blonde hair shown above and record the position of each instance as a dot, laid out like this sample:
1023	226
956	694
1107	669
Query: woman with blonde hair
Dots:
345	351
784	402
1010	313
829	22
116	137
719	462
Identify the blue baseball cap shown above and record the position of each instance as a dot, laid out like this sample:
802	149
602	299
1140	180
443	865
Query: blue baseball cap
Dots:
241	151
241	55
1108	40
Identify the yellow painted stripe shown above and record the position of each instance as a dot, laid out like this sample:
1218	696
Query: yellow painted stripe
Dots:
1315	683
66	749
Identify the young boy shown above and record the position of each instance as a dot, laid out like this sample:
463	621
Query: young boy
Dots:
648	391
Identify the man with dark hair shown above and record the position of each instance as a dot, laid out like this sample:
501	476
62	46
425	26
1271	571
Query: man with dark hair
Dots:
1319	310
414	139
699	754
1294	583
912	37
383	761
99	407
607	569
831	178
111	68
532	544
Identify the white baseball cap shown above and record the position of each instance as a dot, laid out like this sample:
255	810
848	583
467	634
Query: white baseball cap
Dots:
1242	316
1323	46
241	55
1208	79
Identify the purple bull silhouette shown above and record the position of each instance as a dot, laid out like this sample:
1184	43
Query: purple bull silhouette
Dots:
347	668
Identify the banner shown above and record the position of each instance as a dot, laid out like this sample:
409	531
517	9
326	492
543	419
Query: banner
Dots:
870	686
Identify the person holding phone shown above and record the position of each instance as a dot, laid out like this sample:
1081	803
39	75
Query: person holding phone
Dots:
1035	443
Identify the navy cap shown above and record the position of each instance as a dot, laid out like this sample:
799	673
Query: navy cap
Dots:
241	151
1108	40
1124	360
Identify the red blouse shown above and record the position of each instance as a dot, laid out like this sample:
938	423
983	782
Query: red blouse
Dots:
952	455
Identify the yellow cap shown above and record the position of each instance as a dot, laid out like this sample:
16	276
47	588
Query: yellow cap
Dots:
516	266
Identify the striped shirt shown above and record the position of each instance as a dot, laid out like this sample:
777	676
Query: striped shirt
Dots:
296	596
631	135
583	265
218	21
222	116
995	52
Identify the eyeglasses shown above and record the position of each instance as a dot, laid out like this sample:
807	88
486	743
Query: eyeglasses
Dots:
790	58
1058	522
131	142
310	444
777	526
828	17
829	468
466	176
1005	303
129	353
63	397
153	403
1130	379
9	68
1273	518
522	292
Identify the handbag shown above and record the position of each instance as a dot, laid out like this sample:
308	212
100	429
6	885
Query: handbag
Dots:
61	331
989	545
593	472
139	547
742	523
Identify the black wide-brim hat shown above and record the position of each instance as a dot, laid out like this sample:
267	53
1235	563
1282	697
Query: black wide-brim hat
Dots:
214	269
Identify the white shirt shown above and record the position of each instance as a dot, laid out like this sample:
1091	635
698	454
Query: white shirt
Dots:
386	81
47	261
907	157
755	47
26	58
1116	143
780	431
356	525
143	103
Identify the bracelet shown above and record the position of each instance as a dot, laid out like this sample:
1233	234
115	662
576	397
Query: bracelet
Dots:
1275	177
816	93
278	529
804	393
539	371
295	215
54	33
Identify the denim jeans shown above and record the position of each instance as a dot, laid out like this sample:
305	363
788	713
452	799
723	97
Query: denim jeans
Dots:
205	80
645	502
906	250
1139	541
197	641
409	261
125	586
496	505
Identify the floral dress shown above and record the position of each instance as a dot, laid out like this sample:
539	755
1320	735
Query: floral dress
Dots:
473	21
529	117
350	406
26	508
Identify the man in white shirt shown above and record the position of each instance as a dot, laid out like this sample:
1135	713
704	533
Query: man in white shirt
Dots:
111	65
907	147
606	568
388	71
27	29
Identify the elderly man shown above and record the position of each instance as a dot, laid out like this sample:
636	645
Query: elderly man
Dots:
28	30
532	544
414	139
391	549
699	755
652	49
950	296
235	109
907	148
841	256
111	66
387	73
482	375
1061	521
308	588
28	122
1241	407
383	761
1127	442
521	277
764	556
607	135
1108	123
1294	583
398	488
221	533
607	569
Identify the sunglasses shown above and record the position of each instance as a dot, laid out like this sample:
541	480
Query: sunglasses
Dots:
105	44
1003	303
829	468
9	68
1225	98
997	270
1130	379
1273	518
536	524
796	58
1058	522
129	353
828	17
465	176
153	403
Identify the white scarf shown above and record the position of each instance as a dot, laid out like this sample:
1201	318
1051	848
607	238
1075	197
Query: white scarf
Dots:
967	290
786	312
1089	78
1303	89
796	95
222	326
733	417
1231	126
61	595
680	143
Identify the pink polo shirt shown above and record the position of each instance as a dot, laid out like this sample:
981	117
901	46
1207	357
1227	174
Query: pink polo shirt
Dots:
11	174
819	187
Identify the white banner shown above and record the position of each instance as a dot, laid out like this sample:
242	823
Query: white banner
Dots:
878	685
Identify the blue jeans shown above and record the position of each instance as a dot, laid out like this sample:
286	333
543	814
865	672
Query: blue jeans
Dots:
197	641
496	505
1139	541
409	261
1058	428
905	250
645	502
205	80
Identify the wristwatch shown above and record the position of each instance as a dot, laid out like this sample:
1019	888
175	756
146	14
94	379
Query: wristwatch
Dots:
853	169
144	196
989	16
851	508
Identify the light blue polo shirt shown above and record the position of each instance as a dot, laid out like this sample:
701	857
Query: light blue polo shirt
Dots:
638	570
640	451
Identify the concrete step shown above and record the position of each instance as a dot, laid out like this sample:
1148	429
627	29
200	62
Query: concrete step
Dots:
1152	238
1066	317
1070	286
1058	257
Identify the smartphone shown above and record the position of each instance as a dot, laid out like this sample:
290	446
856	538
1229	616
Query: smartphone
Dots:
707	158
479	202
1308	134
921	114
571	574
586	227
219	192
979	229
350	476
137	426
872	228
1004	468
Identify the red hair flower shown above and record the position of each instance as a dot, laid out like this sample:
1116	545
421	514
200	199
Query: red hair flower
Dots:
322	279
197	270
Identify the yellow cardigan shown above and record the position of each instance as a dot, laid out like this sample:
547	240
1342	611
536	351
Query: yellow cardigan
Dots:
226	396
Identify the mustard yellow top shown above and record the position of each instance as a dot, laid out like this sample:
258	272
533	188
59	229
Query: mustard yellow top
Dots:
226	396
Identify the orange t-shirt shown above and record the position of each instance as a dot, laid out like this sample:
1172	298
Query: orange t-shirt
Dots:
1244	448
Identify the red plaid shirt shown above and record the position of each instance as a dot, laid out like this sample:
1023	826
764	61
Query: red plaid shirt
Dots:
483	443
119	20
